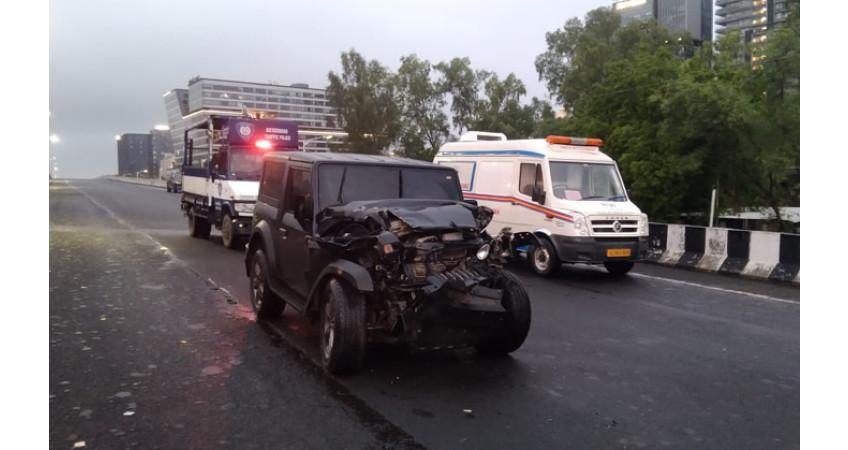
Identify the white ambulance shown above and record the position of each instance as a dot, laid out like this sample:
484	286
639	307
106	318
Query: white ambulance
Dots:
563	199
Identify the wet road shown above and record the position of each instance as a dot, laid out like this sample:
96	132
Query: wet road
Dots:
662	358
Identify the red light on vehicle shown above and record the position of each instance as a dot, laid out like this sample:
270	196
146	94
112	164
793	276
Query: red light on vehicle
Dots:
264	144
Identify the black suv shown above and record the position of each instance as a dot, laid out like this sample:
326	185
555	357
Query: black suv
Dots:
380	248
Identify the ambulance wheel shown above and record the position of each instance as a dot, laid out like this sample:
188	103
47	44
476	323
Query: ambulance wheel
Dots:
229	236
618	268
198	227
543	257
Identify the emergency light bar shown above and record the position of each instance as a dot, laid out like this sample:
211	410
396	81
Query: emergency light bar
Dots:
568	140
264	144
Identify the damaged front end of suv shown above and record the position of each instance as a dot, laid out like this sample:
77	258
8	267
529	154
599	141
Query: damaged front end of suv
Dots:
438	278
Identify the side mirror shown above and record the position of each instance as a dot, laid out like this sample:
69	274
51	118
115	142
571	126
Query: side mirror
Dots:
538	195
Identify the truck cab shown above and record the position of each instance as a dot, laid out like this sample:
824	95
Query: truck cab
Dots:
221	169
563	199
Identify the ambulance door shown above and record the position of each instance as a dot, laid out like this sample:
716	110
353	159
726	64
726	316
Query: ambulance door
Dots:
530	178
494	184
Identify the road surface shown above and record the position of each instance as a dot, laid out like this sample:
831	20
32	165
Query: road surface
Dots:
153	346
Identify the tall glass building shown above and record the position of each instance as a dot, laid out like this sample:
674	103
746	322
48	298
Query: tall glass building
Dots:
308	107
753	18
691	16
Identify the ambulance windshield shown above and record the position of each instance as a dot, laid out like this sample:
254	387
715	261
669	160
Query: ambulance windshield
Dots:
586	181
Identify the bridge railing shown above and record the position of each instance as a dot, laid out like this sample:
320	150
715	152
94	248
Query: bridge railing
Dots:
759	254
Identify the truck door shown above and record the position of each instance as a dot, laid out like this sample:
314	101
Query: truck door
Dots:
296	229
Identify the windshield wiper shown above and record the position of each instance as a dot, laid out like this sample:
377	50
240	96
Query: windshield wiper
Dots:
593	197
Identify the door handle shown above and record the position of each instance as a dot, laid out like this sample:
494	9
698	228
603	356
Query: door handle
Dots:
283	232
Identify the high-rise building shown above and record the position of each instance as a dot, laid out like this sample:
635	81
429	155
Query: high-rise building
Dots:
160	145
630	10
690	16
133	154
176	106
308	107
753	18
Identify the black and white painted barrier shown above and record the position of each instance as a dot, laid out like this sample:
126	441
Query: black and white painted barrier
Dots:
760	254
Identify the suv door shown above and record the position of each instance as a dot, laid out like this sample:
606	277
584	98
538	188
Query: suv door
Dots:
296	229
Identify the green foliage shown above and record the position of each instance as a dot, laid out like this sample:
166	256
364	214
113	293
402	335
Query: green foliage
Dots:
424	124
677	126
463	84
364	94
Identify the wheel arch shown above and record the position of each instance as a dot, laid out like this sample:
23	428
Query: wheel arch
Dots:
348	271
260	238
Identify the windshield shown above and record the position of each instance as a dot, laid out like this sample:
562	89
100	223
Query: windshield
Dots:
339	184
245	165
586	181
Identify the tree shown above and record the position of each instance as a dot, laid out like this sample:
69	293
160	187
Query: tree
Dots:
424	125
500	109
364	95
463	84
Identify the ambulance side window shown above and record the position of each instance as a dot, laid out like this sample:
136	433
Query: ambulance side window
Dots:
527	178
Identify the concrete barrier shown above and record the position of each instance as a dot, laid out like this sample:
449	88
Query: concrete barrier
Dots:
758	254
143	181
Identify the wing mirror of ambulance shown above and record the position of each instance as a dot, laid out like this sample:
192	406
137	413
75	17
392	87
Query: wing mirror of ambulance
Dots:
538	195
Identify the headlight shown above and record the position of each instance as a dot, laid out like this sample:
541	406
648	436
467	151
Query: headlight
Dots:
483	252
580	224
643	225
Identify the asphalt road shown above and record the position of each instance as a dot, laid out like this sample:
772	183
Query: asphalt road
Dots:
661	358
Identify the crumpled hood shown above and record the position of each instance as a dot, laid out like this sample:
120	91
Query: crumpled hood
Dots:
420	215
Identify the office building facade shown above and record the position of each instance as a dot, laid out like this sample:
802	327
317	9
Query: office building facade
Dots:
308	107
690	16
134	153
752	18
160	145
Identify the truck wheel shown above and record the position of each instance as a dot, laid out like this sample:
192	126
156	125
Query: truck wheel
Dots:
266	304
198	227
342	328
618	268
543	257
517	321
229	236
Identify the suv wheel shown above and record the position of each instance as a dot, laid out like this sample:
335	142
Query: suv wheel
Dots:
517	321
266	304
543	257
342	328
618	268
228	233
198	227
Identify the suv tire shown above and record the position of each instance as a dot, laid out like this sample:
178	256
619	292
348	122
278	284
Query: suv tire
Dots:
229	237
618	268
517	320
266	304
198	227
343	333
543	257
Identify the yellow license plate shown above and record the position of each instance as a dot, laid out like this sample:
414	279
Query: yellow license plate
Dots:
618	252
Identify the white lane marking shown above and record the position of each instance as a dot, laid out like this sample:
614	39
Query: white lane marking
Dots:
714	288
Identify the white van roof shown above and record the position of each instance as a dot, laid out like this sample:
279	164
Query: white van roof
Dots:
552	147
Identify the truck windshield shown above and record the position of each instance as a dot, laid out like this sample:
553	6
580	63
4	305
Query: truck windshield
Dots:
586	181
340	184
245	164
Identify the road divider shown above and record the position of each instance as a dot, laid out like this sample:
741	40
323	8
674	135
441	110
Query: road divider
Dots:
142	181
756	254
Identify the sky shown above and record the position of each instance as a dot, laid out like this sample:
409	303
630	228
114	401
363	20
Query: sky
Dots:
111	60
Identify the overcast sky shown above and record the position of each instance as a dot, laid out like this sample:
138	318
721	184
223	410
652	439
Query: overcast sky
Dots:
111	60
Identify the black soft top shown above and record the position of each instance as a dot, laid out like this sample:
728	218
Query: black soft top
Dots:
348	158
